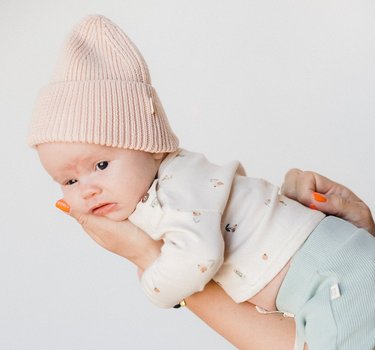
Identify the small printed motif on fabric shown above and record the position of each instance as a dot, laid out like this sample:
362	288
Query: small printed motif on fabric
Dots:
205	267
268	202
216	182
196	216
166	177
229	228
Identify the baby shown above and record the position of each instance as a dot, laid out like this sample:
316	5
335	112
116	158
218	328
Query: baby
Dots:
102	134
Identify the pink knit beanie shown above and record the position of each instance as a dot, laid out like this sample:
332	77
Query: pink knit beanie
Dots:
101	93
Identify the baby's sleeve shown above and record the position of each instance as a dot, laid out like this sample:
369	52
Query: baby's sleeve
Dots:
192	253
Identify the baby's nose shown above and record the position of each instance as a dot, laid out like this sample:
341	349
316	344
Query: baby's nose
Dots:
89	190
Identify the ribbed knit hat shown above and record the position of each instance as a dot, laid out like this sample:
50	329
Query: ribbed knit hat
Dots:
101	93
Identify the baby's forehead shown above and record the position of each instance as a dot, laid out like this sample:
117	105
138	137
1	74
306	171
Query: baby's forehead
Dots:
71	153
87	152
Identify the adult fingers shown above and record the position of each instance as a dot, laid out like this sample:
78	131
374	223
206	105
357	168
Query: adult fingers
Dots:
299	185
96	227
119	237
321	193
289	187
354	211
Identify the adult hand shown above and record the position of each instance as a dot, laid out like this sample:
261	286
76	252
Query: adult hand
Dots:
321	193
122	238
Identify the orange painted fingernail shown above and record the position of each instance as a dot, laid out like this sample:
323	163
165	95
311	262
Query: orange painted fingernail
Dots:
62	205
312	206
318	197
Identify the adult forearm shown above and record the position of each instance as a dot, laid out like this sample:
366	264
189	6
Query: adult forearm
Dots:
241	324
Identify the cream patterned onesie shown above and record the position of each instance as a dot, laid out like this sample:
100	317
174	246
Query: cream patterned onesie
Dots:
219	224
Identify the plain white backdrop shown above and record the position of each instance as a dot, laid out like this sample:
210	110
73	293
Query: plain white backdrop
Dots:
274	84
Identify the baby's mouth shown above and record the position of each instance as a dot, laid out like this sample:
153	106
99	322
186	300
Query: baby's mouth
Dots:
104	208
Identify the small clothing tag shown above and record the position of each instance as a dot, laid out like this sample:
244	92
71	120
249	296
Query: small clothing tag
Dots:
335	292
260	309
264	311
239	273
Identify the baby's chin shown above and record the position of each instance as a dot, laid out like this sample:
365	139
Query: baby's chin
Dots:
118	217
119	214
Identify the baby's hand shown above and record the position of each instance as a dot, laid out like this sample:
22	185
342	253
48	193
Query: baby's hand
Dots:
319	192
122	238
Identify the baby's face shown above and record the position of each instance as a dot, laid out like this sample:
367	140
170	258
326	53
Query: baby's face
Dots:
100	180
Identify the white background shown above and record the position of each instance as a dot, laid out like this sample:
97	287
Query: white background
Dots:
275	84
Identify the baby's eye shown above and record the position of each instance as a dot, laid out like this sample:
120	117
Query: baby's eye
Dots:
71	182
101	165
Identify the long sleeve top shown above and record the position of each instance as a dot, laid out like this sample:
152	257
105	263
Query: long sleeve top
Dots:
216	223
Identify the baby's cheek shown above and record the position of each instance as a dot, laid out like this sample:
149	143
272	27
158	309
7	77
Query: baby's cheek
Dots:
74	201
